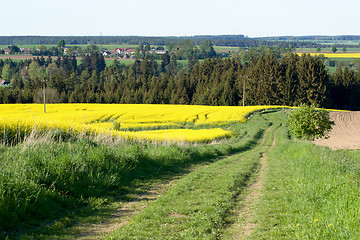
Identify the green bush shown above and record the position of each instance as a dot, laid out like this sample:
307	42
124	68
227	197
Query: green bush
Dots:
309	123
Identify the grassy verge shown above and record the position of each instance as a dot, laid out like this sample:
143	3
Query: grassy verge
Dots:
311	192
44	180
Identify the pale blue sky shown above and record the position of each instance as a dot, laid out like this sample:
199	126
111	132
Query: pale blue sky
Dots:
179	18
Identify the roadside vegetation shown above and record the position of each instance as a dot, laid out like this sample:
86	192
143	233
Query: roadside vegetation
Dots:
310	192
78	181
309	123
43	178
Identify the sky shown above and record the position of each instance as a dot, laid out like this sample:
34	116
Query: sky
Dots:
253	18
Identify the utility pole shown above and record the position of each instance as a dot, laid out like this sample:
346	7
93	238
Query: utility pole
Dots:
244	93
243	98
44	82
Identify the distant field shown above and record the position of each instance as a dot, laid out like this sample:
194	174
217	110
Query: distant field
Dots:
225	49
27	46
324	50
110	61
338	55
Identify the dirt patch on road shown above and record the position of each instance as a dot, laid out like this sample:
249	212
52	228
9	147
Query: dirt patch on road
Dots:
345	133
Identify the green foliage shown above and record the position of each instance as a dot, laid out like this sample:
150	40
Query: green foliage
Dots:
54	176
61	43
6	72
14	49
289	81
334	49
309	123
207	49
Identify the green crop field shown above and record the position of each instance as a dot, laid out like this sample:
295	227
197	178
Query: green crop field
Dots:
225	49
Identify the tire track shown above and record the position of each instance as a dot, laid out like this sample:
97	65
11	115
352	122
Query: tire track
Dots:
245	224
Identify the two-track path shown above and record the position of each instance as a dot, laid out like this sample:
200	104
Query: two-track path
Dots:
241	228
245	222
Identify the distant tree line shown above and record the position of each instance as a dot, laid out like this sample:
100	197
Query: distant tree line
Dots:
263	78
316	38
313	41
218	40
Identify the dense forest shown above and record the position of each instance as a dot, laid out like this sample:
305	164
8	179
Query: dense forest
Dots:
267	78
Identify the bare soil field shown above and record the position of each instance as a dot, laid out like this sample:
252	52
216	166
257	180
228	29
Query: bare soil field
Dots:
18	57
345	133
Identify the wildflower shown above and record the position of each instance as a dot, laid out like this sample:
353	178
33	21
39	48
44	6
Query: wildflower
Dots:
298	225
329	225
316	220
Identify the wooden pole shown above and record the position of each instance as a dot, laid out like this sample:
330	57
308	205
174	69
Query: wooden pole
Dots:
44	96
244	93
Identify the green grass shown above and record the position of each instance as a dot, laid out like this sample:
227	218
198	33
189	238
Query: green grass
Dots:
110	62
198	206
48	186
311	192
43	179
226	49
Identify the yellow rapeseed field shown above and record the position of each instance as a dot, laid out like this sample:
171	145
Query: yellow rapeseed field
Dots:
337	55
101	119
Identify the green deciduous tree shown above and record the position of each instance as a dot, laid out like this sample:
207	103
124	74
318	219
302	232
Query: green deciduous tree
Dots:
6	72
61	43
14	49
309	123
207	49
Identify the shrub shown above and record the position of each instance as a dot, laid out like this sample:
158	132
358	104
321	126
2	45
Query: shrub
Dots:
309	123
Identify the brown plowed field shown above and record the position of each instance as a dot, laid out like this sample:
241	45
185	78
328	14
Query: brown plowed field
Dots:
345	133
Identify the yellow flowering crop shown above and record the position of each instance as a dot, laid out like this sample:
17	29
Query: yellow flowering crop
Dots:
101	119
336	55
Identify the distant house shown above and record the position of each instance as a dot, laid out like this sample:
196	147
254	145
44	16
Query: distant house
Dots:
161	51
4	83
106	53
65	49
7	51
25	50
119	50
129	50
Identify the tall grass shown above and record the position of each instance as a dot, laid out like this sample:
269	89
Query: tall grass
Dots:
43	177
311	192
